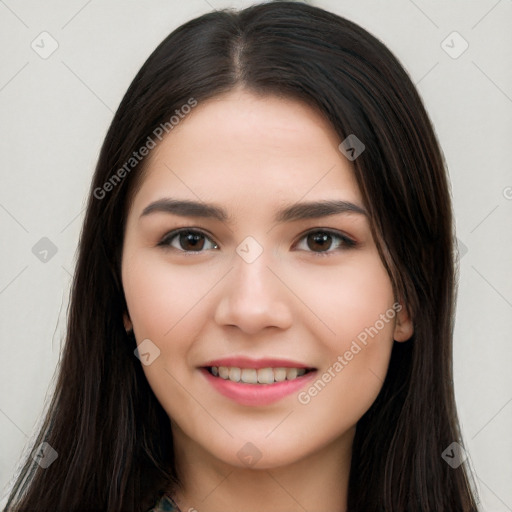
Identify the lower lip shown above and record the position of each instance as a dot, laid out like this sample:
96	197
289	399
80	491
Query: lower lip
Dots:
257	394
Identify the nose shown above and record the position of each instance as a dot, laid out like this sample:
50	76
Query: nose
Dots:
253	298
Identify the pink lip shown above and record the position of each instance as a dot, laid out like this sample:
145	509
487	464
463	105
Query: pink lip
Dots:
257	394
245	362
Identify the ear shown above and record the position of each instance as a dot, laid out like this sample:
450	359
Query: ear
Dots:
128	326
404	328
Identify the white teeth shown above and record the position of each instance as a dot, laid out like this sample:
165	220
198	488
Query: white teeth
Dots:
265	376
291	373
279	374
254	376
249	376
234	374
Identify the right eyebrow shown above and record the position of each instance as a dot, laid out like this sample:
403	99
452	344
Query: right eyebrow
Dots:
186	208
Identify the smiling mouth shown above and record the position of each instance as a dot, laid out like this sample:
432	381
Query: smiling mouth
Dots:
257	376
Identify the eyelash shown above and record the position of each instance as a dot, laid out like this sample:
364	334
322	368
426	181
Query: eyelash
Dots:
344	244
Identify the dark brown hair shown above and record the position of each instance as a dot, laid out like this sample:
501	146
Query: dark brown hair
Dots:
113	438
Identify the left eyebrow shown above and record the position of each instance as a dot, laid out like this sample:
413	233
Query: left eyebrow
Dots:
298	211
314	210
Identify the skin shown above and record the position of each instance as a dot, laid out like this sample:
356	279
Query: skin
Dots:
253	156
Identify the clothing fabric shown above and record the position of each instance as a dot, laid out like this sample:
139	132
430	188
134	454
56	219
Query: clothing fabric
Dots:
165	504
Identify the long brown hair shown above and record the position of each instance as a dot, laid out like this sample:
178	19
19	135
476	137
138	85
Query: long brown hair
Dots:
113	438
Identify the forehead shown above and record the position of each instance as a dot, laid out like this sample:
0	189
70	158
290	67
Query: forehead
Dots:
250	149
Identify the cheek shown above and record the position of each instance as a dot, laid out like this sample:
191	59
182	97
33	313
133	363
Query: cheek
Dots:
354	302
165	305
345	298
160	296
357	304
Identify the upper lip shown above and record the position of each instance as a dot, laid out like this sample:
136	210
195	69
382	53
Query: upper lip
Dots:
246	362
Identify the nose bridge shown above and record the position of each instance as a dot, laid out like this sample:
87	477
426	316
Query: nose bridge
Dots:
253	298
252	279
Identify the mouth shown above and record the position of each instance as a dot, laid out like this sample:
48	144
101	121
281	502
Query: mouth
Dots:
267	375
260	382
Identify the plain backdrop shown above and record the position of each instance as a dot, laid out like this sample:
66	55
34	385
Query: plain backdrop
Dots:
55	110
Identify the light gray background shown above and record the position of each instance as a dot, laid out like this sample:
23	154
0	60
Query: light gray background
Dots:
54	113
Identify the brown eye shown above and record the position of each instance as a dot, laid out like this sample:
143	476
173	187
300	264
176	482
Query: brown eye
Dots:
322	241
188	241
191	241
319	241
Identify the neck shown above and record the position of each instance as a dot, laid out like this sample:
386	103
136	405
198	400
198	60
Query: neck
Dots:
316	483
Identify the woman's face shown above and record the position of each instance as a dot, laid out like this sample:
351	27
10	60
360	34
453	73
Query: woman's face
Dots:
273	275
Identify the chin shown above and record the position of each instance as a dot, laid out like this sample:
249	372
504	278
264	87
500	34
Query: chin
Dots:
260	453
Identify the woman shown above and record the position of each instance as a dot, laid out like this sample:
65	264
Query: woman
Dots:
262	310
